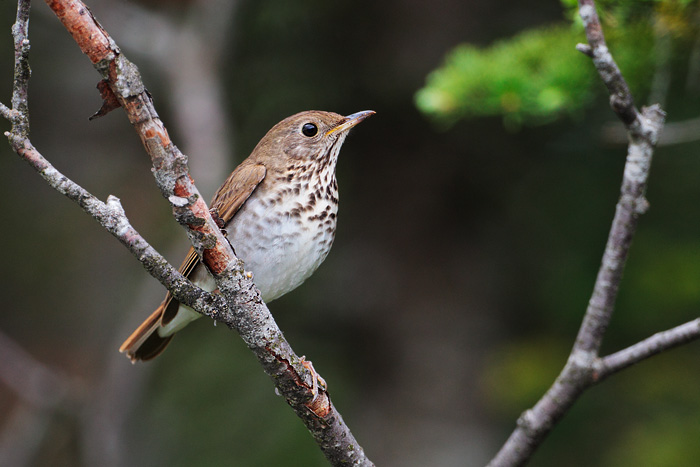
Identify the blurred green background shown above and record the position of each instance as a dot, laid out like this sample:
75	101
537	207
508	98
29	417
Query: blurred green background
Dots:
474	210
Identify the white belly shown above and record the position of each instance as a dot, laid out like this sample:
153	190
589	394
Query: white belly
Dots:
281	252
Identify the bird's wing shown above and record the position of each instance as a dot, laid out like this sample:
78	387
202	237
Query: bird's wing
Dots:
228	199
237	188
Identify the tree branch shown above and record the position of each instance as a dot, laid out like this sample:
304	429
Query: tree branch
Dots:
199	36
6	112
583	367
241	307
649	347
20	100
112	217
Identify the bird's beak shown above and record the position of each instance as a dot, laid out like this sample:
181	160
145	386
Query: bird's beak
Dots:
350	121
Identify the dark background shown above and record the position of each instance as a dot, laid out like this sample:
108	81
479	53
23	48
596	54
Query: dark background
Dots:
463	260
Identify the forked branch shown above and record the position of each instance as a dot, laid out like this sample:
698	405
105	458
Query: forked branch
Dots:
239	306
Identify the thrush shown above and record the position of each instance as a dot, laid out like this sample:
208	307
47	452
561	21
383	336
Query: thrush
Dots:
279	208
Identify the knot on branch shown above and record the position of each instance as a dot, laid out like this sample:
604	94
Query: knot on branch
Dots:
125	77
589	17
313	394
585	49
641	205
579	368
320	405
179	201
527	422
623	105
16	118
184	213
599	369
109	100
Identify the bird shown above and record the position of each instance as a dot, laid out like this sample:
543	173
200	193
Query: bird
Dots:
279	210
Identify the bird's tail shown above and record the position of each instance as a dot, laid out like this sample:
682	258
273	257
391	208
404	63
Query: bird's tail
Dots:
145	343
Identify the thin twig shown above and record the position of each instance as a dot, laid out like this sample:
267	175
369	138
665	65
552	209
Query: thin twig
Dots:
650	346
20	88
6	112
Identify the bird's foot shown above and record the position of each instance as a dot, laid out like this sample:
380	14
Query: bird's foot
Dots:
317	380
219	221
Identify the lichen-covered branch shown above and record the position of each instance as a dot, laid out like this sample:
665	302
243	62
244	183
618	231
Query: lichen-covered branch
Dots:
112	217
20	103
239	306
584	367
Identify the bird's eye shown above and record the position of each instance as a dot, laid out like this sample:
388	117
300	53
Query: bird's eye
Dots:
309	129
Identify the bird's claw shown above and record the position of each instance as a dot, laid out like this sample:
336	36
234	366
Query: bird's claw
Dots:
317	380
219	221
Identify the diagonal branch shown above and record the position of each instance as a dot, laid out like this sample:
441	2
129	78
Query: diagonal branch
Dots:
6	112
241	307
112	217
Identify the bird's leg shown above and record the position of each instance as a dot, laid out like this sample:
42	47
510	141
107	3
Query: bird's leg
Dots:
221	224
219	221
